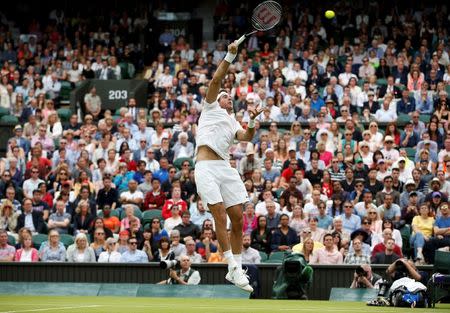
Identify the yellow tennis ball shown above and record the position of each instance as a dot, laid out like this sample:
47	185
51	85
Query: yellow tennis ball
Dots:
329	14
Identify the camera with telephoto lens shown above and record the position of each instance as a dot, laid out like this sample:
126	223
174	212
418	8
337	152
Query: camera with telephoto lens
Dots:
360	271
169	264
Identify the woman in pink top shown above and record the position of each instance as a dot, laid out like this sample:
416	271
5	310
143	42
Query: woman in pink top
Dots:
27	253
249	218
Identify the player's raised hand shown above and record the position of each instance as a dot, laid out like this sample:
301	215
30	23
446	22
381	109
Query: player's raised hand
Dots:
254	111
233	47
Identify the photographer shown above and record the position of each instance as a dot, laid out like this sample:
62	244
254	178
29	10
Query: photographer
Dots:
182	276
364	278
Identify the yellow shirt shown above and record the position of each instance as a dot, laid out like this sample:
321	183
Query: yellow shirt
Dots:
425	226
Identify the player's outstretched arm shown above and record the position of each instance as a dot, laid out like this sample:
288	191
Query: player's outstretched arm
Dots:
219	75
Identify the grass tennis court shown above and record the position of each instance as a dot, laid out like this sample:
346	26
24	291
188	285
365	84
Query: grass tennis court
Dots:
187	305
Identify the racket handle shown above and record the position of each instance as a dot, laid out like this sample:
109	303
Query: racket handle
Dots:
240	40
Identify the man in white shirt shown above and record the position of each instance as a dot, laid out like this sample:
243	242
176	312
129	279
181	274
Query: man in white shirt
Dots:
249	254
345	77
295	73
133	196
384	114
260	208
32	183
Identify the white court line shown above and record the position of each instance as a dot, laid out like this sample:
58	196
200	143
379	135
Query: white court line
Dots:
57	308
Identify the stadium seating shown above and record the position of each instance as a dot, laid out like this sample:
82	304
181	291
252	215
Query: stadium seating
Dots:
9	119
276	257
11	240
442	262
66	239
64	114
38	239
3	111
263	256
64	94
147	216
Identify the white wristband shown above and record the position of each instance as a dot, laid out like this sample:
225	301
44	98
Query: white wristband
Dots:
251	124
230	57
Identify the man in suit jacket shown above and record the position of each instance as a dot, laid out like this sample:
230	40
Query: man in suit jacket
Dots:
105	72
31	219
164	151
28	111
390	88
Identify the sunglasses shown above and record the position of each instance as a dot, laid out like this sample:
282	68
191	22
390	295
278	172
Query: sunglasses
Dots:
367	223
348	206
133	243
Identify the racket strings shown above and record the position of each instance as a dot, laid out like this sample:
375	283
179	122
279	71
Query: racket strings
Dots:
266	15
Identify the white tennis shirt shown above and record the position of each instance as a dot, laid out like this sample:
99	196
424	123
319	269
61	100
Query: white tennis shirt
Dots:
216	129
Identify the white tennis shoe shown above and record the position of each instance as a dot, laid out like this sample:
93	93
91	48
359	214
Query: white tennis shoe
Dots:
238	277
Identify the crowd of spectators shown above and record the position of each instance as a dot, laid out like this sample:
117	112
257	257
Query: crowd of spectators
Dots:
353	167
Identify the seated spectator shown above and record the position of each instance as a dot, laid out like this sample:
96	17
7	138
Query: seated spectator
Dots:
26	253
307	248
298	219
174	200
387	256
52	250
8	217
122	243
164	251
30	219
199	213
249	218
39	205
7	252
365	278
157	232
110	255
284	237
147	246
249	254
174	220
187	228
350	221
154	199
176	246
183	148
329	254
60	220
381	247
132	196
98	245
183	276
441	230
110	222
260	236
80	252
98	223
107	195
378	237
133	255
129	214
207	244
358	256
135	231
191	253
422	230
82	220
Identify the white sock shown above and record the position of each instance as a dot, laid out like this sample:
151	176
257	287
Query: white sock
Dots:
238	259
230	259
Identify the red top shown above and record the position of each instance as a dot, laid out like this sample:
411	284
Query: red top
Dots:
166	213
381	247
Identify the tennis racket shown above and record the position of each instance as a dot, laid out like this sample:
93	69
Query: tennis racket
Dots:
264	17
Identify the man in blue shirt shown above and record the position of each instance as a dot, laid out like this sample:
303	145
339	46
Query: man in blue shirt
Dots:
133	255
350	221
441	232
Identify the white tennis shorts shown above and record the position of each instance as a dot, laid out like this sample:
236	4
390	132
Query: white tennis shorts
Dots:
218	182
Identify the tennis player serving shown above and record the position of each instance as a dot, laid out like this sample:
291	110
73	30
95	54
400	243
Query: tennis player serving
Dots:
218	184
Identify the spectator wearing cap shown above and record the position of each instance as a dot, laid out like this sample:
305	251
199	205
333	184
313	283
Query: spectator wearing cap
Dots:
435	187
316	101
408	192
382	170
389	151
